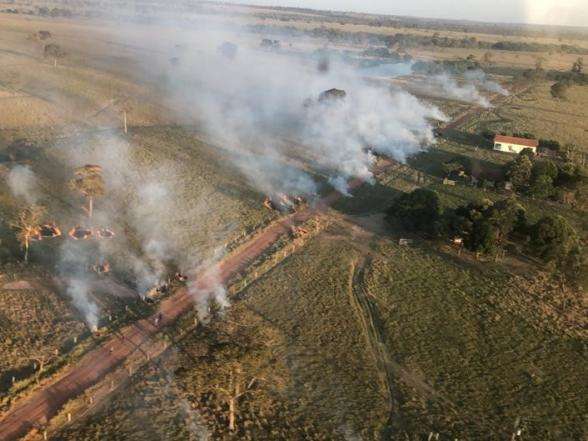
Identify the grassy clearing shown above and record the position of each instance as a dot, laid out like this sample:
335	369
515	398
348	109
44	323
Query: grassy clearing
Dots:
456	328
307	299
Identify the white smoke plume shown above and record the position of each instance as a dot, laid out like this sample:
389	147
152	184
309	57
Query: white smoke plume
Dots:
480	79
78	290
73	264
256	99
207	286
23	183
466	92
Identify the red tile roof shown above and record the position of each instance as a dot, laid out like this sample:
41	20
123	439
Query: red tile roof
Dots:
518	141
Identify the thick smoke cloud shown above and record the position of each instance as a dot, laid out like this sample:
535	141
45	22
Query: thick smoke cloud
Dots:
256	99
23	183
261	109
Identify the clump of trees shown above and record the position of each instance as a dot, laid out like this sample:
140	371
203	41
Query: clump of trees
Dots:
543	178
556	242
418	211
485	225
488	227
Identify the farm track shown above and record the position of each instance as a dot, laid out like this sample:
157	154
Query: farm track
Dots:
369	319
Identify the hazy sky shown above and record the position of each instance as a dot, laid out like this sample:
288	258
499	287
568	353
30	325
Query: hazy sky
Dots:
559	12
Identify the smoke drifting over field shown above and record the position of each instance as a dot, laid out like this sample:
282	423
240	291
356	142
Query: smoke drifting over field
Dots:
256	97
466	92
479	78
73	264
23	183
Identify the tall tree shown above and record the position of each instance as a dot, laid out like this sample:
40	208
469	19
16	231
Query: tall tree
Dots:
89	182
519	172
26	226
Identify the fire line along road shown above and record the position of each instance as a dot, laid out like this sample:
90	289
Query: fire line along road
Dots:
38	408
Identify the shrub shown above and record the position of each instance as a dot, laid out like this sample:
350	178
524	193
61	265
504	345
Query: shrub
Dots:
559	90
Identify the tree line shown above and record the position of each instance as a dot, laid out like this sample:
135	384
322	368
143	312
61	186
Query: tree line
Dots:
488	227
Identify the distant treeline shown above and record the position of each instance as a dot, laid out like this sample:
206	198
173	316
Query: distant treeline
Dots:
405	41
287	14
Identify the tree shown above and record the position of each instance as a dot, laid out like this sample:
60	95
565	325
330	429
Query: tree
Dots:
569	175
26	226
487	58
547	168
541	187
417	211
241	372
559	90
507	216
89	182
484	225
555	241
519	172
578	66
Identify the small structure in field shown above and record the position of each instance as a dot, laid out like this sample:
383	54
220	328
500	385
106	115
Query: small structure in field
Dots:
457	241
508	186
448	182
512	144
404	242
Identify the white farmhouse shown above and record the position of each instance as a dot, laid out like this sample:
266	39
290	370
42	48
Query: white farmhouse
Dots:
512	144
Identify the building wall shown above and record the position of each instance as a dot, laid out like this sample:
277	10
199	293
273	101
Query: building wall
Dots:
512	148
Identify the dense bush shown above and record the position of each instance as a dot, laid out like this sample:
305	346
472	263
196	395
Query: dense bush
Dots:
556	242
419	210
